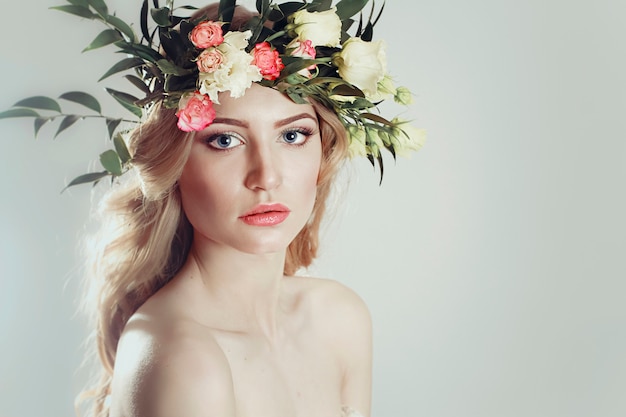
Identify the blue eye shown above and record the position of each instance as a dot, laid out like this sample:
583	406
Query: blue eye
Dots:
224	141
296	136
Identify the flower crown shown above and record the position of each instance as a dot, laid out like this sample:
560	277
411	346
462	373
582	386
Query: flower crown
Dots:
299	48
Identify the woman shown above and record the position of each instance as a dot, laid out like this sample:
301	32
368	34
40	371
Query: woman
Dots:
198	306
231	333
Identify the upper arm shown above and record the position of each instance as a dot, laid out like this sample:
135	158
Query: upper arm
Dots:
352	340
181	377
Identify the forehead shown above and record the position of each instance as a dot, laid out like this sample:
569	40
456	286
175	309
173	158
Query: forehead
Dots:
259	101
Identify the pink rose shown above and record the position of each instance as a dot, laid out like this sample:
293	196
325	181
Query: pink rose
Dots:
207	34
195	112
267	60
305	50
209	60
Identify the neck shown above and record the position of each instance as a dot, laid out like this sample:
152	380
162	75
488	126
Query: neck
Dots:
244	288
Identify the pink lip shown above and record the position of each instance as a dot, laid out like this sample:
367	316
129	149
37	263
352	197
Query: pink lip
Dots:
266	215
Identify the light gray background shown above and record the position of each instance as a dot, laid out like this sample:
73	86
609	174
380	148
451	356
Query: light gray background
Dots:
492	261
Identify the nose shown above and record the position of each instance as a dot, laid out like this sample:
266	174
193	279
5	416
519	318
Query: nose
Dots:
263	170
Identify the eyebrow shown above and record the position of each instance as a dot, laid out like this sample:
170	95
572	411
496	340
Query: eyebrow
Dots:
279	123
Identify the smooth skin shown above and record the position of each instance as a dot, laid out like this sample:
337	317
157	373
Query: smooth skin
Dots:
230	335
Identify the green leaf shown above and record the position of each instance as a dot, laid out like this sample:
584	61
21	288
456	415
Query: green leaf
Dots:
120	147
348	8
168	67
86	178
161	16
76	10
127	101
138	50
138	82
106	37
39	102
112	124
143	21
226	11
111	162
83	3
123	65
18	113
376	118
85	99
66	122
100	6
39	122
122	26
319	5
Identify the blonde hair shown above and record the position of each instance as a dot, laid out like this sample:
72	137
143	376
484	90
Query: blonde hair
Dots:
145	236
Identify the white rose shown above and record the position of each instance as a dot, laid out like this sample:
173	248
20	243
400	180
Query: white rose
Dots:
321	28
362	64
236	40
237	72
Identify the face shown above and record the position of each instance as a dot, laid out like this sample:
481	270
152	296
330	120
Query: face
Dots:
251	177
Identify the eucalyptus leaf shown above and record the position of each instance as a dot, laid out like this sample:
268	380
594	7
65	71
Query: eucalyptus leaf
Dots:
122	26
106	37
123	65
168	67
127	101
84	99
143	21
319	5
100	6
39	102
376	118
226	11
138	50
39	122
161	16
18	113
83	3
112	125
348	8
66	122
121	148
138	82
76	10
110	160
86	178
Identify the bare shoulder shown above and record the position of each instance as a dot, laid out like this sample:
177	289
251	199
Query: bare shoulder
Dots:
169	366
343	320
329	298
338	309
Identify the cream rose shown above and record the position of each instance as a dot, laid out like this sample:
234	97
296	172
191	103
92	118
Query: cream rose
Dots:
236	73
362	64
321	28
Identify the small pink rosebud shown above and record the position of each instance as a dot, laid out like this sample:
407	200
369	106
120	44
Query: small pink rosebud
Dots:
305	50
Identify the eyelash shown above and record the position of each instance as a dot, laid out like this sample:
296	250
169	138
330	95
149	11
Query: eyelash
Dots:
307	132
300	130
